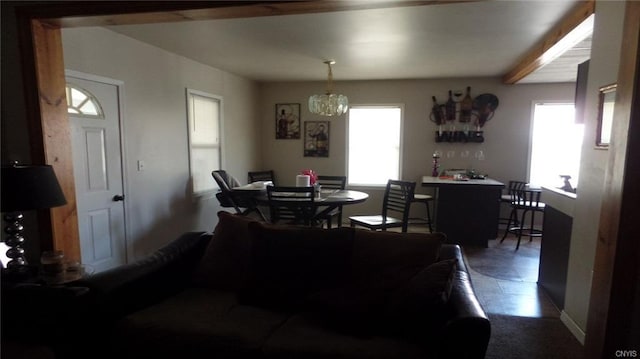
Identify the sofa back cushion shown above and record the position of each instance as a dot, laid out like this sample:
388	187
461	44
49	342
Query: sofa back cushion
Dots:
289	263
225	263
387	260
389	270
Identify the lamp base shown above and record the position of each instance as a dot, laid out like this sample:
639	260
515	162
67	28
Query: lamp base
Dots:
14	240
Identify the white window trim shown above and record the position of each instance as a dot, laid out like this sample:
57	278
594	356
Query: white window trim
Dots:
210	192
401	142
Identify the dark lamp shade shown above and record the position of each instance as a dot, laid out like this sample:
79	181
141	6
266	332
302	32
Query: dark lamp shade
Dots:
29	188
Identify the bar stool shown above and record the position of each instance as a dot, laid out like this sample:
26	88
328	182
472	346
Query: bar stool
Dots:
506	198
525	200
426	199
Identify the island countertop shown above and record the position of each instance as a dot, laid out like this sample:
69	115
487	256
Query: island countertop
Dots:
436	181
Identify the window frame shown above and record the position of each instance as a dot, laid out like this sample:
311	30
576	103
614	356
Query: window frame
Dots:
531	134
69	87
212	187
400	141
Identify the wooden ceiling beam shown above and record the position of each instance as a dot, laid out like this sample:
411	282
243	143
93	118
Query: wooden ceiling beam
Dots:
71	14
560	39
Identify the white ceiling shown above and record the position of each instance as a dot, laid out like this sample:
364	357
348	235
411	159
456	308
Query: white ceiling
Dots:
475	39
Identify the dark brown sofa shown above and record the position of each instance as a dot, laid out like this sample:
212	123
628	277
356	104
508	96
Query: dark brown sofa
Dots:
253	290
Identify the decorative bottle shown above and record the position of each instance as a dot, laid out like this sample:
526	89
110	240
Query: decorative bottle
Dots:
437	115
466	106
434	171
450	107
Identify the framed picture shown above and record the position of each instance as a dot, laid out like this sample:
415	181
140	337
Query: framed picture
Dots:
287	121
606	102
316	139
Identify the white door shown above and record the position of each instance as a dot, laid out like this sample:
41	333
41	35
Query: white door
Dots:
94	114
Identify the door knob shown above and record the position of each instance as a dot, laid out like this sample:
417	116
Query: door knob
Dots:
118	198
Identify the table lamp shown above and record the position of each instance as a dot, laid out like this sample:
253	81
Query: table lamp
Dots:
25	188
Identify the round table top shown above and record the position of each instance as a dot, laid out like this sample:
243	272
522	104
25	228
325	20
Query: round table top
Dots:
329	197
344	196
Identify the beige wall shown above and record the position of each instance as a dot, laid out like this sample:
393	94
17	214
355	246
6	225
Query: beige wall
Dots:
603	70
159	205
507	135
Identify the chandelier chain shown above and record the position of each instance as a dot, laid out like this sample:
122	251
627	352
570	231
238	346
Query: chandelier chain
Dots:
329	79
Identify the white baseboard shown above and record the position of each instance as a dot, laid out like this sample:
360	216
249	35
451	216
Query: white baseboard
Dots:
572	326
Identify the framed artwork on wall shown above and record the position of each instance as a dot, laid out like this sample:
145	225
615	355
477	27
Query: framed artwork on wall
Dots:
316	139
606	102
287	121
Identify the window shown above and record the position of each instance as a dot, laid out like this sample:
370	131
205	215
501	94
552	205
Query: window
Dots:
204	117
556	145
81	103
374	144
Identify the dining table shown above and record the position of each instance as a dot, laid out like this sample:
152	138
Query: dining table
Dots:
325	202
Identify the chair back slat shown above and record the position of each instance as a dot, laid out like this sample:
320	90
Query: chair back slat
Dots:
515	188
529	198
397	198
294	204
332	182
255	176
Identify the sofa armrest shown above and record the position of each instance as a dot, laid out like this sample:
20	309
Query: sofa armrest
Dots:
130	287
452	251
467	319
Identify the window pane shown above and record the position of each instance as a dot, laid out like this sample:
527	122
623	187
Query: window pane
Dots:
204	128
374	145
77	97
556	145
204	118
204	160
81	103
89	108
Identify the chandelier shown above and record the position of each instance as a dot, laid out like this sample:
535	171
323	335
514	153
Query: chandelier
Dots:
329	104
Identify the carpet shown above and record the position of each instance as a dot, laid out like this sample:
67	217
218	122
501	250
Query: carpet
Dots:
531	338
502	261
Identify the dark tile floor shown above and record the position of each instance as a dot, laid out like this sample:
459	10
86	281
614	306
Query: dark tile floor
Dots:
512	288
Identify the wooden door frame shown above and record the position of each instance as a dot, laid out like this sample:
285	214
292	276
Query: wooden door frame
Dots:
615	289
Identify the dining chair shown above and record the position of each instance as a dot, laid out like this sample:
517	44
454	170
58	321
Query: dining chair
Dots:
232	199
527	201
506	198
397	199
255	176
295	205
333	183
425	199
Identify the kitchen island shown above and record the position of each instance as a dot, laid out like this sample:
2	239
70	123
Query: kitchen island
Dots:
467	211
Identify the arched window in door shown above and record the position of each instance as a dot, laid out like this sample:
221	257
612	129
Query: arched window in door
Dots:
82	103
